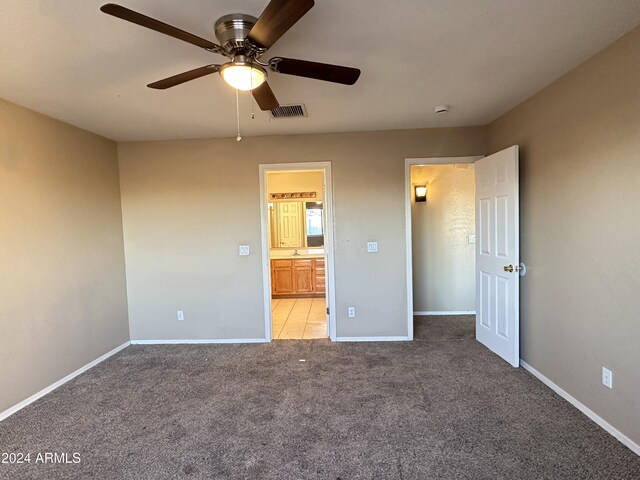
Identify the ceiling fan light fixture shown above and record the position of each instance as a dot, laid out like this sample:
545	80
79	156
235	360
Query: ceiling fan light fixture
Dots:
244	39
243	75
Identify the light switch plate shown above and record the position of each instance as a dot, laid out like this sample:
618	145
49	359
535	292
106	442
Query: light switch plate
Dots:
372	247
180	315
244	250
607	377
472	239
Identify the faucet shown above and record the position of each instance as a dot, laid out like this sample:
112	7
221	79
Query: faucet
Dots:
295	252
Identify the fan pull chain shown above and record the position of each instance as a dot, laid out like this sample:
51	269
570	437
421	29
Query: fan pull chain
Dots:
253	115
238	138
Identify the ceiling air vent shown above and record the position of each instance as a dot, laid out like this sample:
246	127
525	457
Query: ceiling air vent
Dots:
289	111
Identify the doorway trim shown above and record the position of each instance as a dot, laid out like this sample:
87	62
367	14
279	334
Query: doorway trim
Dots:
408	163
327	184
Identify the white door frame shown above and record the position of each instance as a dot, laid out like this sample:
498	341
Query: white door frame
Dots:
408	191
328	240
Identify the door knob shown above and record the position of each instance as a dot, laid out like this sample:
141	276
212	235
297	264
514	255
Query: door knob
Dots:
508	268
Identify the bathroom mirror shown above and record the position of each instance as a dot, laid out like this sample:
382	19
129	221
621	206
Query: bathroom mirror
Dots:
296	224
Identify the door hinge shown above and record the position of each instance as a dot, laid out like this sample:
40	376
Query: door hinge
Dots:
327	310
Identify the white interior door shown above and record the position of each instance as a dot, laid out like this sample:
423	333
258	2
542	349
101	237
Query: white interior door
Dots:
498	254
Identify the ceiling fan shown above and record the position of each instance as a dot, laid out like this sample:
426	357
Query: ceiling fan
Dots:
244	39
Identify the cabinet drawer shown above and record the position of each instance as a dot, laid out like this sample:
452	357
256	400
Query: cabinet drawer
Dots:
320	271
320	276
280	263
303	262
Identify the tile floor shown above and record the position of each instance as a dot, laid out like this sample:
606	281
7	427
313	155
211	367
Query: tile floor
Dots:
299	318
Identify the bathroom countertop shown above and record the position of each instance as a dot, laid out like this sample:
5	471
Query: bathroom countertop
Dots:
302	253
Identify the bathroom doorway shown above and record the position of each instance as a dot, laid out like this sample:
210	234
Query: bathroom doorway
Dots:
297	241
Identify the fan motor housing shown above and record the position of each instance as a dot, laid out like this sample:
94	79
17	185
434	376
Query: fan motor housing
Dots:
232	30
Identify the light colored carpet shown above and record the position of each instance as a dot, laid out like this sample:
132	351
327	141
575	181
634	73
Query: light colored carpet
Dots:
439	407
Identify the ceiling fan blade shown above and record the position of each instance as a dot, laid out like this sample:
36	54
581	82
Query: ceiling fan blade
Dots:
157	25
319	71
276	19
184	77
265	97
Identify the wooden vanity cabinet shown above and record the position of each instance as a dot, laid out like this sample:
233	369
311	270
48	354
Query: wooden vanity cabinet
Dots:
298	277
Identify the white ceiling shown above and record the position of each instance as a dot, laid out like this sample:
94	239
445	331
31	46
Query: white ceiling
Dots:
68	60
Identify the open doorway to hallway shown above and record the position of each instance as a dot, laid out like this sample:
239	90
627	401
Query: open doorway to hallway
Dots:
296	231
443	247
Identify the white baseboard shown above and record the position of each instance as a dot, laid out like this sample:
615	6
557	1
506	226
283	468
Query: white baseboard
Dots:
373	339
196	341
633	446
19	406
447	312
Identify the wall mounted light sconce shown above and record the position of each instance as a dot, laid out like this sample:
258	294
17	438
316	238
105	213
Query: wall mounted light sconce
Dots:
421	193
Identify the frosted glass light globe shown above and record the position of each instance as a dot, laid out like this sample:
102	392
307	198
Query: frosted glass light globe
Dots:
243	77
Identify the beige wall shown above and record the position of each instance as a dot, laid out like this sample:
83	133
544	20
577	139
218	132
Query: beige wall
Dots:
286	182
580	229
443	258
63	281
187	205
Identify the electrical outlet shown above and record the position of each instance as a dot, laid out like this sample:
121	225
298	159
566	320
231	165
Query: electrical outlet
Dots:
372	247
607	377
351	311
180	315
